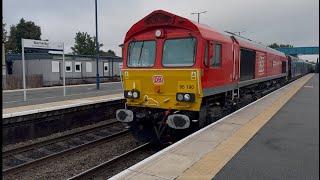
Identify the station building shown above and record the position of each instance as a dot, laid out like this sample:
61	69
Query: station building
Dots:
49	67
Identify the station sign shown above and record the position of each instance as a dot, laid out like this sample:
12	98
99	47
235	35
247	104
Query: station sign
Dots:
38	44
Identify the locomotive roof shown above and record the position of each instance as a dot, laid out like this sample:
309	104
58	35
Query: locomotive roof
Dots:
162	18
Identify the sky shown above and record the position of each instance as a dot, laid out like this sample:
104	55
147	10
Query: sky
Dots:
294	22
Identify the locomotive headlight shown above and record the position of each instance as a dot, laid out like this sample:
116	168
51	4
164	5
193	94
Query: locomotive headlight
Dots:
129	94
187	97
158	33
180	97
135	94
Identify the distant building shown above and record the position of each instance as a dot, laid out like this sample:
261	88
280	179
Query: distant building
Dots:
78	68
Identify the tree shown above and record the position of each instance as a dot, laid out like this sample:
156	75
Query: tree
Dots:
84	44
112	53
24	29
4	33
11	44
275	45
108	53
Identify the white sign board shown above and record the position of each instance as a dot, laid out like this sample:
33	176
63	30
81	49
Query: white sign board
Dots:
37	44
120	65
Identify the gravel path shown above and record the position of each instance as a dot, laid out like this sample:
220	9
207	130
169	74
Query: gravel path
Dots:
69	166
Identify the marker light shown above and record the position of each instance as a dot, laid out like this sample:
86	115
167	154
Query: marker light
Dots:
129	94
187	97
158	33
135	94
180	97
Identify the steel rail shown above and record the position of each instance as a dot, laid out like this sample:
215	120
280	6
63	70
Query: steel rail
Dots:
102	167
55	140
37	162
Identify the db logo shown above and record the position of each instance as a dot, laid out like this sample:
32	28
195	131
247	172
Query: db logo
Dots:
157	79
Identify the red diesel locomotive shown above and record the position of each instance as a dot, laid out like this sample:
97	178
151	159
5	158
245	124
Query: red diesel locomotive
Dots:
180	75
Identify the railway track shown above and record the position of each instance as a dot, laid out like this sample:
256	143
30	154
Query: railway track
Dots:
103	171
33	155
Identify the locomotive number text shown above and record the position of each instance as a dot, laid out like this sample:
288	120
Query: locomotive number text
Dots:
186	86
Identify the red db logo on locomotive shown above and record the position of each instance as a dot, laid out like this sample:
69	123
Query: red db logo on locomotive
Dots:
157	79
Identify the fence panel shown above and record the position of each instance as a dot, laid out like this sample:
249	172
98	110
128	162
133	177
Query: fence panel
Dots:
14	82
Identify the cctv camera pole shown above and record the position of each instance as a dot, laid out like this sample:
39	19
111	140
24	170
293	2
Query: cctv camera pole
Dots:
97	47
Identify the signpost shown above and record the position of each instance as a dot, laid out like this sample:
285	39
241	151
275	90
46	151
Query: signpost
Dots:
44	45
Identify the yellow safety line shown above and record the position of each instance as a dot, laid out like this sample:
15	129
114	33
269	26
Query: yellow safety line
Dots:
208	166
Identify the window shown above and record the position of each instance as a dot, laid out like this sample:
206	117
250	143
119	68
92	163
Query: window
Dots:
206	54
77	67
215	61
179	52
9	65
88	66
55	66
141	54
68	66
105	67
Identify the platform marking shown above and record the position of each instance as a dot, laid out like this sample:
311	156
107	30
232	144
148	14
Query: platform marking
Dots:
308	86
208	166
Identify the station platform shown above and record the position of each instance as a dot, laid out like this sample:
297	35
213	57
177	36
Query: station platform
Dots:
275	137
51	98
14	98
58	105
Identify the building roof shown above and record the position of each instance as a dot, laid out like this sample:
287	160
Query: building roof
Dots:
31	56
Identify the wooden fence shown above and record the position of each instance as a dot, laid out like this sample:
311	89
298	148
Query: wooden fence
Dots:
14	82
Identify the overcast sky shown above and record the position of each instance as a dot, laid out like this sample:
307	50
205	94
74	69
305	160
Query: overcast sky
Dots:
294	22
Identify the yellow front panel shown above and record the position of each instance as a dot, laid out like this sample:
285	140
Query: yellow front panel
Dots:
158	87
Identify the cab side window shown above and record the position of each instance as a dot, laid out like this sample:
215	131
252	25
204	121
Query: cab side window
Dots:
215	60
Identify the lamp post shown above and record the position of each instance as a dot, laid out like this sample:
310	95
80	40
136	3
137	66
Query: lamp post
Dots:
97	47
199	14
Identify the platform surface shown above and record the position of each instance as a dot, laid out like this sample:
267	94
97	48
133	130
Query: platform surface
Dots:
203	154
287	147
44	107
14	98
